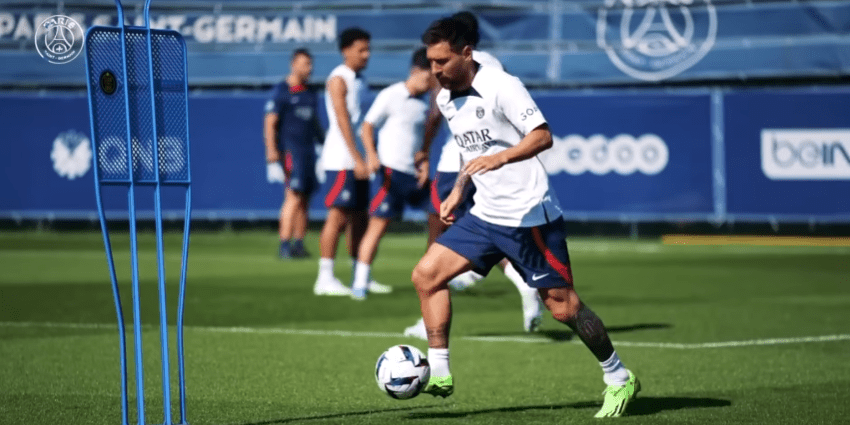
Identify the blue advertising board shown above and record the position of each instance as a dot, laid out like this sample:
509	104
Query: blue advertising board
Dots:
788	154
641	155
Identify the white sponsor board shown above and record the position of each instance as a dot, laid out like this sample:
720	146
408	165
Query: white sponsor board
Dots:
806	154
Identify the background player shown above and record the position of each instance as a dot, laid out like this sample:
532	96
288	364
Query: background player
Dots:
399	110
291	127
448	166
501	131
347	176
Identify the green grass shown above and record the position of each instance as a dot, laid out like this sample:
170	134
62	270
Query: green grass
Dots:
52	372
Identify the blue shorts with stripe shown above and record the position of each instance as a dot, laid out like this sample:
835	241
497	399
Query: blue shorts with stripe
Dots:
392	190
441	187
342	190
538	253
300	166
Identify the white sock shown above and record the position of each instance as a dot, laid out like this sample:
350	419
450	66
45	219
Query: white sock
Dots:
361	275
530	298
615	372
326	268
439	360
474	275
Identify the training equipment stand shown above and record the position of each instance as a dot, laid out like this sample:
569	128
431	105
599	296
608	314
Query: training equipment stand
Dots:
138	107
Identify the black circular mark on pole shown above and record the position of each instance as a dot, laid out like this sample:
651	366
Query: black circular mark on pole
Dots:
108	83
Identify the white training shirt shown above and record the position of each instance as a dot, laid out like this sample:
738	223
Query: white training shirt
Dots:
494	115
401	118
335	153
450	154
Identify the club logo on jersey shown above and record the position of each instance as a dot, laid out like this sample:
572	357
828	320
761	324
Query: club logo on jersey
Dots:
59	39
304	112
479	112
623	154
71	154
656	39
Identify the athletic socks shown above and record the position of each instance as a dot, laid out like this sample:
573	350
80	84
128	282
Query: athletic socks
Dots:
615	372
438	358
326	268
361	275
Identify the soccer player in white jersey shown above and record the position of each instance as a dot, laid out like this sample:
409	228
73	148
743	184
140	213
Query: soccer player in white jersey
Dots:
448	167
399	111
347	176
516	214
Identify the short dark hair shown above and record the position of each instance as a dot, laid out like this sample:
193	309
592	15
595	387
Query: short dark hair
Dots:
471	22
301	51
451	30
420	59
349	35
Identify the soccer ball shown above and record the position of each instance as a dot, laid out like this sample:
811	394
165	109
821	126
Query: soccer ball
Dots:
402	372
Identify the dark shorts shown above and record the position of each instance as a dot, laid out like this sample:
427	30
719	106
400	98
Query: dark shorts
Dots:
301	168
538	253
392	190
441	187
343	191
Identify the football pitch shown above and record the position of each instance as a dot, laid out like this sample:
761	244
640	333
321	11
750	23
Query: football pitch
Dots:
717	334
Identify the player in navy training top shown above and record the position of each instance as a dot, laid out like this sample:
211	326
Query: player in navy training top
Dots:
291	132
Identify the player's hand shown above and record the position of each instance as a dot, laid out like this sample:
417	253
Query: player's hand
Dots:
374	164
274	173
483	164
448	206
422	174
361	171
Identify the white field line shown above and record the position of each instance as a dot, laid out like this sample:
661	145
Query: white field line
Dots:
513	339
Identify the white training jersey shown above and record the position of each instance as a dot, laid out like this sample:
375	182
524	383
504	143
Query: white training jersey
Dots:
450	154
492	116
401	118
335	153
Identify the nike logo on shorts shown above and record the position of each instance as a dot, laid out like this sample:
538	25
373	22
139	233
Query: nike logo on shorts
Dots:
535	277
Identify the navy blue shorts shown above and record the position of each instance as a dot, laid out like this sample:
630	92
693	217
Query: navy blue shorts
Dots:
301	168
392	190
538	253
441	187
343	191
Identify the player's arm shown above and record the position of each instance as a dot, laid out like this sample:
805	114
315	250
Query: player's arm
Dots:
432	126
458	194
375	117
270	123
318	131
538	140
337	90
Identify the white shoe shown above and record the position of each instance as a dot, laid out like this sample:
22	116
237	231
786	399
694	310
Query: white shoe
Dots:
332	287
379	288
417	330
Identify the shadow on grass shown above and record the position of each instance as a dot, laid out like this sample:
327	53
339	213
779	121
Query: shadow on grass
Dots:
334	415
567	335
641	406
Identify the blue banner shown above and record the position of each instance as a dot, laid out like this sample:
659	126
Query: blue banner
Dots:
630	155
788	154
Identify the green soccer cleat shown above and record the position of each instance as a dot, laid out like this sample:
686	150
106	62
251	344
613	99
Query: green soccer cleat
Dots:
441	387
617	397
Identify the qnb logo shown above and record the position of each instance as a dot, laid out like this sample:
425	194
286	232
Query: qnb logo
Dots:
656	39
806	154
624	155
112	157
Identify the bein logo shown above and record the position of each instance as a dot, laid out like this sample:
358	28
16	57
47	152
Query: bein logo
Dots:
624	155
806	154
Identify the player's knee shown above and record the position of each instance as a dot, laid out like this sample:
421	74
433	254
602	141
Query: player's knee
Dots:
564	309
424	278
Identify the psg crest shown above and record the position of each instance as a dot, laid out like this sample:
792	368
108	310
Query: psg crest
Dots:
654	40
59	39
71	154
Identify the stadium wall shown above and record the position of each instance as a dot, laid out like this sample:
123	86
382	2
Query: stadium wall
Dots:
652	116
